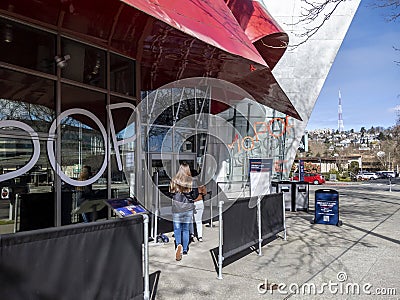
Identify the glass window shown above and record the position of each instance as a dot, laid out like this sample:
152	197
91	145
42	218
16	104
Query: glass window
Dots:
185	113
84	63
77	97
184	140
201	143
16	48
159	107
122	75
202	108
123	122
159	139
82	140
27	97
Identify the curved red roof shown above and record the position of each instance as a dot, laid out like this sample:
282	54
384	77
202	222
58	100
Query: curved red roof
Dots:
174	39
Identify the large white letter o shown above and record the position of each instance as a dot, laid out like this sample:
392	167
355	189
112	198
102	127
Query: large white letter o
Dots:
36	148
50	147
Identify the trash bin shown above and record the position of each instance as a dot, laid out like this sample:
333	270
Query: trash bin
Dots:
327	207
301	195
285	187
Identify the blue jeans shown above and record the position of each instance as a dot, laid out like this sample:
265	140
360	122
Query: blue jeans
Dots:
181	228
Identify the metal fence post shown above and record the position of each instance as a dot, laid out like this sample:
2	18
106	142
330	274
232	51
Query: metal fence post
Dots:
146	293
220	257
259	225
211	209
284	217
156	196
16	204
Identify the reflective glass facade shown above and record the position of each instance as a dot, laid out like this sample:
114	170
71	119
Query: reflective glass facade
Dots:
68	104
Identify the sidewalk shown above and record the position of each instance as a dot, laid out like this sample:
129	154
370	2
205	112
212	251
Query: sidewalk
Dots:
365	250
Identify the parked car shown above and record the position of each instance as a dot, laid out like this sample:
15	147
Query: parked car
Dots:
387	174
367	176
311	178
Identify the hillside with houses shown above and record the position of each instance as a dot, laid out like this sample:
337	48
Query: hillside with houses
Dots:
347	153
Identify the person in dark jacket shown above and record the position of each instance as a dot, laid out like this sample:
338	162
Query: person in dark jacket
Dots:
184	190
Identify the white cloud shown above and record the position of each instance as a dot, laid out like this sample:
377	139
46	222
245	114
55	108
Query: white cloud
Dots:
395	109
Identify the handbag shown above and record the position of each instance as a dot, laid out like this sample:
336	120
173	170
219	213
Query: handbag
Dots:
181	203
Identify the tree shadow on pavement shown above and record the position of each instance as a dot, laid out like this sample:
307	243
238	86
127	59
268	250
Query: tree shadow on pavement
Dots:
235	257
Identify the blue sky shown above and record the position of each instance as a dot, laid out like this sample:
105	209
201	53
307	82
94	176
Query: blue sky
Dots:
366	74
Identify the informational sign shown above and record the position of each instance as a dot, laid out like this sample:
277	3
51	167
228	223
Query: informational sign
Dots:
260	176
125	207
327	207
5	193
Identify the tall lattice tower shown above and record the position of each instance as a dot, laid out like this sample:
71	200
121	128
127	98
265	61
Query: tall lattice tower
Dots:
340	119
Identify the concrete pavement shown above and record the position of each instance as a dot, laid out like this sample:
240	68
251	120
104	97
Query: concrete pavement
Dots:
358	258
364	253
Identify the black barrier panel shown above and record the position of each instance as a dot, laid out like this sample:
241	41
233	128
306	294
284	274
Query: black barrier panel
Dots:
37	210
240	227
272	219
99	260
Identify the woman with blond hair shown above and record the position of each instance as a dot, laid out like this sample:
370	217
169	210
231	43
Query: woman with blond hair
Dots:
185	191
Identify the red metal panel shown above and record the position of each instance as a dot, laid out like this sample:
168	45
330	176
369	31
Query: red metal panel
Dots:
90	18
261	28
40	10
173	39
209	21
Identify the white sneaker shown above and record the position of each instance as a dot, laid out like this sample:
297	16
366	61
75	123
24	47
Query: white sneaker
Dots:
200	239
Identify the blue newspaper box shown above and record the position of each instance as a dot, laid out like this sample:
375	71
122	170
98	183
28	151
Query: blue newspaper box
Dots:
327	207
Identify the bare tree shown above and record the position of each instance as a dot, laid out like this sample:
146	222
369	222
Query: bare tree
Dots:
316	13
392	5
313	16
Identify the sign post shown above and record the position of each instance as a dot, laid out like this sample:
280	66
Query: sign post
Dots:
260	184
301	170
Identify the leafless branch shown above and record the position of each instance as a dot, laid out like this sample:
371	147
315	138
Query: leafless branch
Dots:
392	5
397	62
317	13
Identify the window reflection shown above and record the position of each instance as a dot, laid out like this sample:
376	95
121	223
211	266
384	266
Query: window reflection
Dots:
27	97
159	140
16	47
184	140
86	64
185	113
124	126
122	76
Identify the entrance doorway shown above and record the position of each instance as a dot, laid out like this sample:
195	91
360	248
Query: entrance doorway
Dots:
163	168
